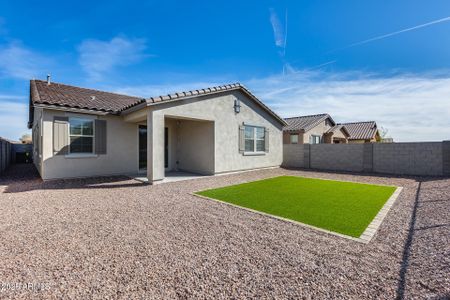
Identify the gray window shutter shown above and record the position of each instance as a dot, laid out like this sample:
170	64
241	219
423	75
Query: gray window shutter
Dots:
60	135
100	136
266	139
241	139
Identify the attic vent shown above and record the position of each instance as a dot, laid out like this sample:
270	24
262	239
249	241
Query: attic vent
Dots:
92	98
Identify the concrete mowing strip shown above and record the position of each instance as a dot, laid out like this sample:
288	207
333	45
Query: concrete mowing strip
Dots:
365	237
370	231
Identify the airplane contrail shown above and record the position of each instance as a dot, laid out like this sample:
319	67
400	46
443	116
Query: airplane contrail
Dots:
392	34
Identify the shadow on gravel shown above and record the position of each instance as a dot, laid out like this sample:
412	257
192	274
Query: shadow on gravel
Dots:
407	248
24	177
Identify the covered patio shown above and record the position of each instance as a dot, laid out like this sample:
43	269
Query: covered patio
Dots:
172	147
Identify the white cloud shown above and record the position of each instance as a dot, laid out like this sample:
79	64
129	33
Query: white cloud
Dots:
13	117
384	36
278	29
412	107
98	57
20	62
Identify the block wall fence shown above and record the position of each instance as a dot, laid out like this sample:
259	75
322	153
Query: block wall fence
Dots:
5	155
422	158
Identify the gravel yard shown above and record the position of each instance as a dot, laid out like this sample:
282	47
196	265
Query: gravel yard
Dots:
116	238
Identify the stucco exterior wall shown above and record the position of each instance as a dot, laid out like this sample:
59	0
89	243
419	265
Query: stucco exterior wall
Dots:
121	156
287	137
219	109
203	137
195	147
320	129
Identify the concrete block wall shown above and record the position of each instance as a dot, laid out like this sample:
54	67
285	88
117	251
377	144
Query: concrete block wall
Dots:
446	158
423	159
5	155
293	155
339	157
408	158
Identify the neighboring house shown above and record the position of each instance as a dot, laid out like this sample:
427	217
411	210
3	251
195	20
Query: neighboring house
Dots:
363	132
80	132
314	129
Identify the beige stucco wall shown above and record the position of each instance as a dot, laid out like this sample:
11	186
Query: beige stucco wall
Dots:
287	137
205	147
218	109
121	156
320	129
358	141
195	146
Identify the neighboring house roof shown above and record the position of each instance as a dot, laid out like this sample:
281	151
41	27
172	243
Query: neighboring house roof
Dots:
306	123
337	128
361	130
204	92
57	94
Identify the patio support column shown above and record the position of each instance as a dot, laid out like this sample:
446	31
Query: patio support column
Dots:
155	146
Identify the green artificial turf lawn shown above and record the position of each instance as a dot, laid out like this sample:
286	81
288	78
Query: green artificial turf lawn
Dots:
343	207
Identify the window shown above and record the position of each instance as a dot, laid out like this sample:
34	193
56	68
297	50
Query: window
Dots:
81	132
294	138
315	139
255	139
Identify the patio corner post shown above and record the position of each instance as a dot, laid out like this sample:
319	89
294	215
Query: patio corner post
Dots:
155	146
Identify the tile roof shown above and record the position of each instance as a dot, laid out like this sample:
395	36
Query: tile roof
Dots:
361	130
75	97
204	92
305	122
338	127
81	98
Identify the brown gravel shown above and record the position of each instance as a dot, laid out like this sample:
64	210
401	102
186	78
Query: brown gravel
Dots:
115	238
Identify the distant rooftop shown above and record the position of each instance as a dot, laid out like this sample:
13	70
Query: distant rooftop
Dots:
306	122
361	130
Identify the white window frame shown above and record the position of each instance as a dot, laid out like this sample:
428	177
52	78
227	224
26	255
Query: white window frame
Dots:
255	139
315	136
292	135
82	135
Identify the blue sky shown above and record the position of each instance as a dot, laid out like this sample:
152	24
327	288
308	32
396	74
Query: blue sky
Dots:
387	61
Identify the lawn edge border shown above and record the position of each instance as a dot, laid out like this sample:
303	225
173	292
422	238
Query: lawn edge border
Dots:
373	227
364	238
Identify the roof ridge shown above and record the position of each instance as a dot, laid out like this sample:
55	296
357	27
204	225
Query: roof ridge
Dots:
191	92
316	115
356	122
89	89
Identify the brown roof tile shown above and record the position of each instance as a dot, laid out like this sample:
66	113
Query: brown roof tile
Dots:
75	97
305	122
361	130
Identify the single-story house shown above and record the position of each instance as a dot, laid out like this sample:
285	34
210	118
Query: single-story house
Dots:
363	132
79	132
314	129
